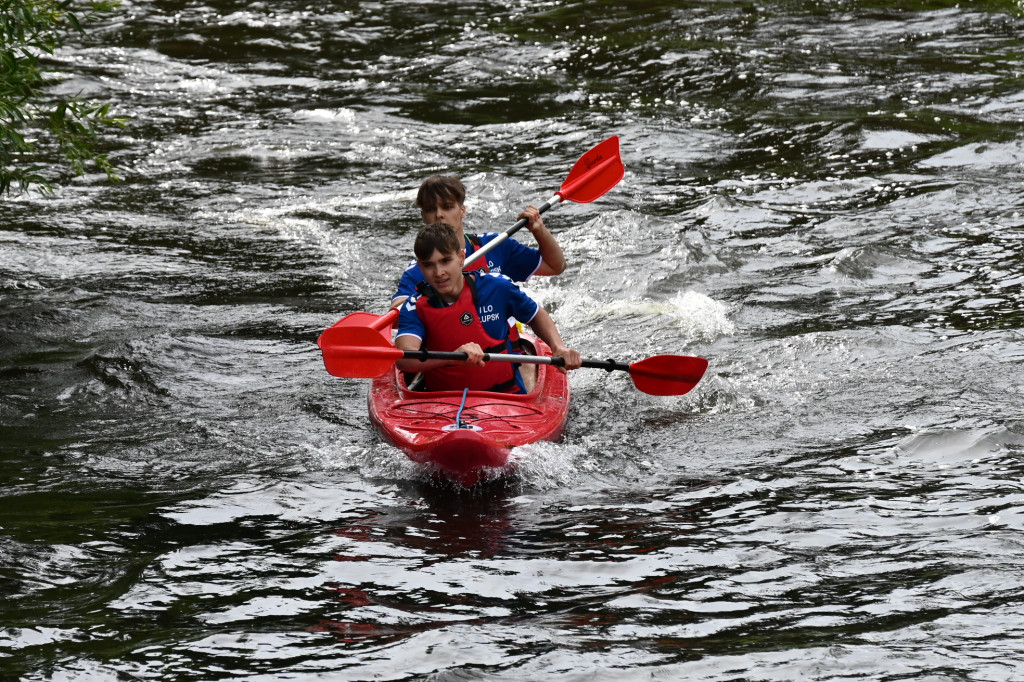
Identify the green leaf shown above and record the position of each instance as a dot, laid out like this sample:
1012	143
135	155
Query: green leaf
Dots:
32	122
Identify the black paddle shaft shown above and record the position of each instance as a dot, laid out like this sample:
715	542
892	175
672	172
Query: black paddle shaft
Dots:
607	365
523	221
423	355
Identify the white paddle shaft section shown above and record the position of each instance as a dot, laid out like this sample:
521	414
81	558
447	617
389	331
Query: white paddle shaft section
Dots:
479	253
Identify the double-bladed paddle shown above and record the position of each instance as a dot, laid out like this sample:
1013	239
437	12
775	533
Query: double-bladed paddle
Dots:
360	351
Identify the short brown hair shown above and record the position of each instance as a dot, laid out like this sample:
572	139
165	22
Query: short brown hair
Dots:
436	237
438	188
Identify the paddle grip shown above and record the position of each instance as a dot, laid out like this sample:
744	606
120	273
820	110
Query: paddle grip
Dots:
608	365
479	253
423	355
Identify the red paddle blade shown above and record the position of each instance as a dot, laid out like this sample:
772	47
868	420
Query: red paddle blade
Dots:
668	374
595	173
356	352
381	323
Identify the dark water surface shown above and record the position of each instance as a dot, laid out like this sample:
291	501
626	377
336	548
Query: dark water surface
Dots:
823	198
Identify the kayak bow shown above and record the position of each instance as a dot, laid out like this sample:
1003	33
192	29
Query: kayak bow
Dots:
467	436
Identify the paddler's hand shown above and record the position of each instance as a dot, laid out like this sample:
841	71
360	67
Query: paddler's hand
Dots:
571	356
533	220
475	353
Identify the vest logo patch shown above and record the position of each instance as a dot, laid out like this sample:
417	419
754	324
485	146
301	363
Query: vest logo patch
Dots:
466	319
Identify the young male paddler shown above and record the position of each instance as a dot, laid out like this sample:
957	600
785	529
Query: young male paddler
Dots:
467	312
442	199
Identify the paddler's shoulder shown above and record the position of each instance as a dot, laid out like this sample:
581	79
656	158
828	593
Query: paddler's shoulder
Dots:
493	279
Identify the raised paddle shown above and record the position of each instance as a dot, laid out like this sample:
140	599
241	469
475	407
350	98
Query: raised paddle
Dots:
594	174
362	352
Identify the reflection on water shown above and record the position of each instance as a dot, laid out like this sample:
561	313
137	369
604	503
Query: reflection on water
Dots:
819	199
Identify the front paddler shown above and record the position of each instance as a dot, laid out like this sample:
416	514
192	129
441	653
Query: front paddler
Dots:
468	312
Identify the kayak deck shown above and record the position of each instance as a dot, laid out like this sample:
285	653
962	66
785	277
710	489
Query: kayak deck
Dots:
467	440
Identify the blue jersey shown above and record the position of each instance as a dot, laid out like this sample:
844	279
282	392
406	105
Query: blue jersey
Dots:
509	258
499	299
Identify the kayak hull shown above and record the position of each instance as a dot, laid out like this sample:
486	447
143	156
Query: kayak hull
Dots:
424	424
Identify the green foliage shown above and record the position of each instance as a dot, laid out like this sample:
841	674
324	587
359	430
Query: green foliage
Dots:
32	119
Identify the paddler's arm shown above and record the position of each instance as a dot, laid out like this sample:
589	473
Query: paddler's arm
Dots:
408	342
406	285
552	258
545	328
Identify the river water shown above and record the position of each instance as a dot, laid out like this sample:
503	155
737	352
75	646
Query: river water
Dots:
822	198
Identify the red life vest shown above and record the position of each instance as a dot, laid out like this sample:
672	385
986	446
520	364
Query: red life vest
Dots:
450	326
476	243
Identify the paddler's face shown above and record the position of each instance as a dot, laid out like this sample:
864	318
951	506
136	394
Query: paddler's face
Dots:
443	272
447	211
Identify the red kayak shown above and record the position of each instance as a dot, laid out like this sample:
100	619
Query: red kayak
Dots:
468	438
